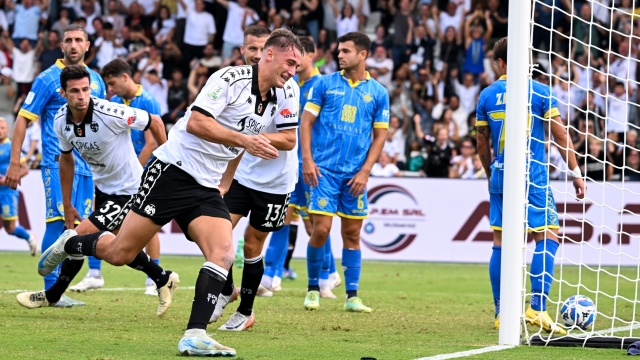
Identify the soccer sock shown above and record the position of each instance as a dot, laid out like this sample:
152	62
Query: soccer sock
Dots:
352	263
315	258
68	270
95	265
293	236
251	276
208	286
21	233
542	273
275	251
332	265
143	262
227	288
494	276
52	232
149	280
326	264
83	244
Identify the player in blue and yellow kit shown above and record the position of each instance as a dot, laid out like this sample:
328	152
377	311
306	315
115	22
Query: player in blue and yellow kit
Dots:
345	110
8	196
117	75
542	215
42	102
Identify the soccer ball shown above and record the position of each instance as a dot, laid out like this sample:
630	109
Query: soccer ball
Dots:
578	311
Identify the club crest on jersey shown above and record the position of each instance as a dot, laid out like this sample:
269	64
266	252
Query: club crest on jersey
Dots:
94	86
95	127
367	98
322	202
215	93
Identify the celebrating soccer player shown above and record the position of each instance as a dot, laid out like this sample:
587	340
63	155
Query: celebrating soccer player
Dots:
44	101
344	127
181	182
542	214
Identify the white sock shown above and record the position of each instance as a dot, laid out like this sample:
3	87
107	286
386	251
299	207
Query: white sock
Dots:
324	283
267	281
276	281
334	275
94	273
195	333
150	282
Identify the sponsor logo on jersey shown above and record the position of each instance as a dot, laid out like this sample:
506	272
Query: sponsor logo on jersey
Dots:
131	120
85	146
367	98
335	92
268	224
215	92
286	113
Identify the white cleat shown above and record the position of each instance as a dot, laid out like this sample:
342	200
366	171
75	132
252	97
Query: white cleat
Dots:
33	245
33	300
88	283
222	302
335	280
325	292
197	342
165	293
151	290
55	254
239	322
263	291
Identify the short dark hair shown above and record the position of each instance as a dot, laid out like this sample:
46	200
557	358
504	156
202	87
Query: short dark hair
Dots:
73	72
500	50
307	44
107	26
116	67
258	31
76	27
360	40
283	39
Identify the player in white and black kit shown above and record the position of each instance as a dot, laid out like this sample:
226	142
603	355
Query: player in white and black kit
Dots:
260	190
181	183
99	131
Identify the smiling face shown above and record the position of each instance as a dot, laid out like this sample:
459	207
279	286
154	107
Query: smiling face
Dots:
282	64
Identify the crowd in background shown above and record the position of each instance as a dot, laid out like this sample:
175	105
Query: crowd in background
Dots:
434	57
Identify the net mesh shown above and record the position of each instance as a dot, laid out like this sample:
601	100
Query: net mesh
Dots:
586	53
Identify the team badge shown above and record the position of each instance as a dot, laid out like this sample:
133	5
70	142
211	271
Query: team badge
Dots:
273	111
94	86
94	127
215	93
367	98
322	202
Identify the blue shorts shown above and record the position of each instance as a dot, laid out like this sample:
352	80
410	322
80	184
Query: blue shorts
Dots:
331	197
541	212
300	198
9	202
81	197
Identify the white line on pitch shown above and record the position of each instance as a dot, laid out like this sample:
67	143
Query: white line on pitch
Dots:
103	289
608	331
468	353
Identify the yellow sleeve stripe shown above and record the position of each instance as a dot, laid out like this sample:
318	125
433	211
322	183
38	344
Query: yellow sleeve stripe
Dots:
482	123
381	125
551	113
28	114
23	160
312	107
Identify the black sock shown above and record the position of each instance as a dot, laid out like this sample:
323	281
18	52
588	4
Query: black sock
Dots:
208	286
293	235
143	263
227	288
352	293
83	244
68	270
251	277
313	288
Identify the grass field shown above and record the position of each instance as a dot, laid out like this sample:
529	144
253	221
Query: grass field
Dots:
420	309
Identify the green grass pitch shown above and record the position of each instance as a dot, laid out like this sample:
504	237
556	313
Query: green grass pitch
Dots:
420	309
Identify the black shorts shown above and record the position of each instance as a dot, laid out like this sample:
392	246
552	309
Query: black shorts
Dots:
267	210
110	210
166	192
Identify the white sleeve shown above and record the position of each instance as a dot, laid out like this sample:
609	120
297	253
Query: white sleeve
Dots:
65	146
288	107
212	25
120	117
216	94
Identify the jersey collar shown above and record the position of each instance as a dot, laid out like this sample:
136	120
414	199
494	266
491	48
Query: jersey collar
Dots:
88	117
255	87
138	93
503	77
61	65
367	77
314	72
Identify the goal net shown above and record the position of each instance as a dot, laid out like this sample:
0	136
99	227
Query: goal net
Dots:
586	52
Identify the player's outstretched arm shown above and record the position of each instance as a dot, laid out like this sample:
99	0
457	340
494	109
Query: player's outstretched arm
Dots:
310	171
284	140
565	145
13	176
484	152
67	166
359	181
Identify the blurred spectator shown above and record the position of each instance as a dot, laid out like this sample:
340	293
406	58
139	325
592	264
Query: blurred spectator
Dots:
400	94
446	123
462	165
157	87
171	58
478	169
458	114
632	169
90	10
557	166
199	31
450	47
594	165
152	62
197	78
381	40
208	59
403	30
50	53
453	17
499	19
468	92
383	64
32	146
416	157
137	44
28	15
440	154
114	17
475	42
108	47
8	94
164	26
177	96
312	13
24	62
618	107
384	167
64	21
421	49
425	18
347	18
239	16
296	22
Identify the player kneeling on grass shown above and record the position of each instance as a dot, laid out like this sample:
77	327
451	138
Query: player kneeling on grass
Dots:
542	214
99	131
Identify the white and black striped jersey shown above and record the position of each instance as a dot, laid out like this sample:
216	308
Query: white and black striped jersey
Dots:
232	97
103	140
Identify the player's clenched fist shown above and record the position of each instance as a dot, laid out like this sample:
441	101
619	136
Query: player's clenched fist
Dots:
259	146
12	179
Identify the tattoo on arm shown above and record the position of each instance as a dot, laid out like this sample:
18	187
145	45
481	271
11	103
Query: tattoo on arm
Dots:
482	137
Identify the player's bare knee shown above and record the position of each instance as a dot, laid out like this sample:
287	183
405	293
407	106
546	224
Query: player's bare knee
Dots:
9	226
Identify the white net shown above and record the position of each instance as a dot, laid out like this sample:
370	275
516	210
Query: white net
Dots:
586	52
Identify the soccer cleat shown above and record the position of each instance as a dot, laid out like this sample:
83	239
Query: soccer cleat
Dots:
33	300
276	288
151	289
239	322
203	345
88	283
543	320
165	293
312	300
67	302
354	304
33	245
335	279
222	302
325	292
55	254
263	291
496	323
290	274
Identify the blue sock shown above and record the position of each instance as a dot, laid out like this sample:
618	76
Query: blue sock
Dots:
332	266
157	261
315	258
277	247
21	232
542	273
494	276
351	263
52	231
94	264
326	263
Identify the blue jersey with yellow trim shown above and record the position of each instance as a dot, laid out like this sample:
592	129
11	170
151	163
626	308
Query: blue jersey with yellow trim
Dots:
305	89
43	101
5	159
491	111
144	101
347	114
